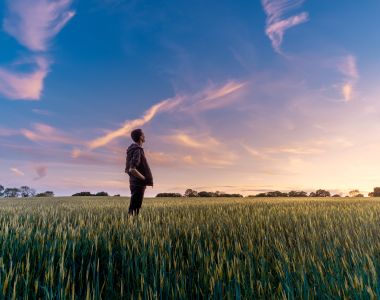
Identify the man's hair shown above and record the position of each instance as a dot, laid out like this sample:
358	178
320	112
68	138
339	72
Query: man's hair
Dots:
136	134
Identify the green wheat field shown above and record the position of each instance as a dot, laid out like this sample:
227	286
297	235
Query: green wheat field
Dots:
188	248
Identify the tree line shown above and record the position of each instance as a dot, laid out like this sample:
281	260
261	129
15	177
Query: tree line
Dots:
194	193
96	194
23	192
317	193
26	191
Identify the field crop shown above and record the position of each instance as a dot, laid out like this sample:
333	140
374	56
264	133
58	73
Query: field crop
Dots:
189	248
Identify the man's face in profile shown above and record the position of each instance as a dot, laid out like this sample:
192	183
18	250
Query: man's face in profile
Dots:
142	138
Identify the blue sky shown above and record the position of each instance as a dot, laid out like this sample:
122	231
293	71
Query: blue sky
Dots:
237	96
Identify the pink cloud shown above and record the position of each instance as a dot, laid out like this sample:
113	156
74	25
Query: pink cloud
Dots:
42	112
200	149
213	97
24	86
47	133
347	91
276	25
79	156
204	100
276	30
199	142
162	106
17	172
33	23
41	172
217	97
348	67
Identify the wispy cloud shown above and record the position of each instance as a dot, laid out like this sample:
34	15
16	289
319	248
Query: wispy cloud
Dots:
204	100
276	24
348	67
213	94
201	149
162	106
169	159
213	97
254	152
347	91
201	142
34	23
42	112
308	147
46	133
17	172
24	86
8	132
294	150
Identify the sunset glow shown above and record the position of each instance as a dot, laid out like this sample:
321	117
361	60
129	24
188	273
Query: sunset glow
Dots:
238	96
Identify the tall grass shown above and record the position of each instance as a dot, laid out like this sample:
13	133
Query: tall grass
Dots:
88	248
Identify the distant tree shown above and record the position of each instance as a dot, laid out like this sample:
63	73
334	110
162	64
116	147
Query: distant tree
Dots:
117	195
49	194
82	194
277	194
225	195
376	192
271	194
260	195
322	193
46	194
336	195
354	193
101	194
1	190
26	191
191	193
235	195
11	192
297	194
168	195
370	194
205	194
219	194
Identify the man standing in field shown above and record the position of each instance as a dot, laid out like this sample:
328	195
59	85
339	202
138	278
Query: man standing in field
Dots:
138	170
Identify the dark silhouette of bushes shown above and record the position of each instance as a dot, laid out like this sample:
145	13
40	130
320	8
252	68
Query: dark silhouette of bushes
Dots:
45	194
82	194
297	194
86	194
376	192
320	193
271	194
168	195
101	194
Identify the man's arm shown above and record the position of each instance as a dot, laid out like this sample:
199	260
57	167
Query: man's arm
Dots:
136	158
136	173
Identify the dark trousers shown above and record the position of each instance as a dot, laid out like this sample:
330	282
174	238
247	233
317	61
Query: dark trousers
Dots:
137	195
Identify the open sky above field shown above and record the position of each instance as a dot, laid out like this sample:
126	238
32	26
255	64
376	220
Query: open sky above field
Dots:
236	96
